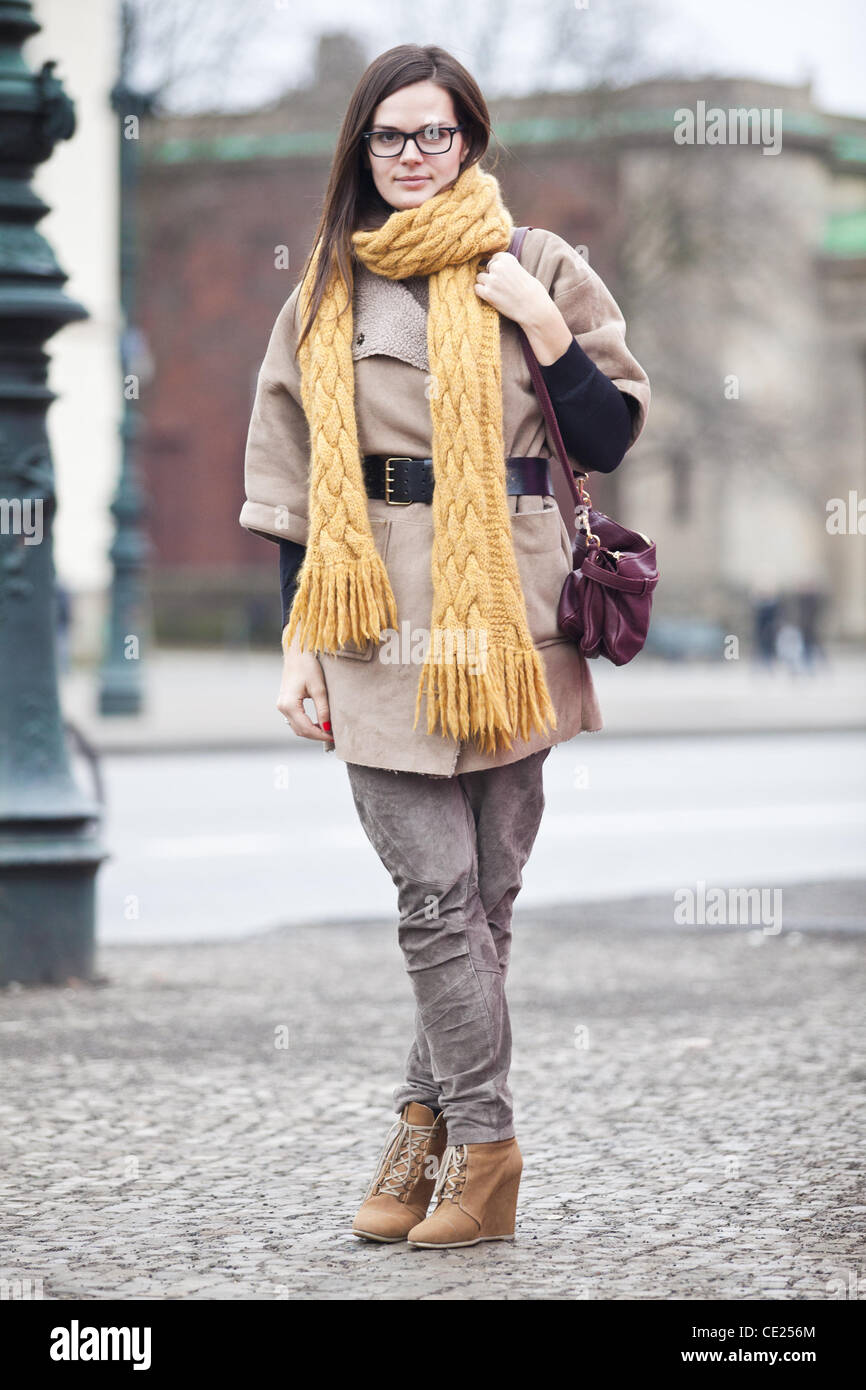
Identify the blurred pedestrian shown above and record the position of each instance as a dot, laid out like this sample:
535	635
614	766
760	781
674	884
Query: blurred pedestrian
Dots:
789	648
811	606
766	616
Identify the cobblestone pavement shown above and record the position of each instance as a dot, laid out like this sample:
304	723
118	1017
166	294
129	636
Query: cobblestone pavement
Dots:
689	1104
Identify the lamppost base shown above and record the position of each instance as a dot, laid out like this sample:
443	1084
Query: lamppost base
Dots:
47	907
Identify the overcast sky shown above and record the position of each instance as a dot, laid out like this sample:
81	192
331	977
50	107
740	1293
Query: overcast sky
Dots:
783	40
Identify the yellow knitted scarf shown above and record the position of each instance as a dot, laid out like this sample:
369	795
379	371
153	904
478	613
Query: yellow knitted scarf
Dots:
483	675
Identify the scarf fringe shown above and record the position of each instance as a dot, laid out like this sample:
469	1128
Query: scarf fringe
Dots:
342	601
510	696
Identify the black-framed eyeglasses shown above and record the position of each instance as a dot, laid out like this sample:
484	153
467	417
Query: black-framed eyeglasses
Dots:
430	139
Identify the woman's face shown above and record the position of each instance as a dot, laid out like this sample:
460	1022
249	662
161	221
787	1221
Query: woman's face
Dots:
410	109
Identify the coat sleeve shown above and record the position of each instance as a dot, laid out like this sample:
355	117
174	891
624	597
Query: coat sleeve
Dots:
277	456
593	316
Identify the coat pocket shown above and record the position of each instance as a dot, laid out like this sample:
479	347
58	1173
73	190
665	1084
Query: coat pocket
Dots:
543	562
381	530
537	528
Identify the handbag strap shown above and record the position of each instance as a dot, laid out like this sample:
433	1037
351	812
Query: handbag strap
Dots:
581	498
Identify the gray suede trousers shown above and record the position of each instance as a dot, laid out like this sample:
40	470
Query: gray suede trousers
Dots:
455	848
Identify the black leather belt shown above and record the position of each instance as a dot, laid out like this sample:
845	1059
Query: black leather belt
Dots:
399	480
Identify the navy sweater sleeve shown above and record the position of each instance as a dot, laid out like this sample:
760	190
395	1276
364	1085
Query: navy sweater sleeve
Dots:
291	558
595	418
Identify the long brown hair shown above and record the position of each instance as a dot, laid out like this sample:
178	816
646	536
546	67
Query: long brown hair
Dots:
351	193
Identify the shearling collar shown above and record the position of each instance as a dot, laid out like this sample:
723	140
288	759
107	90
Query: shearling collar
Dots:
390	317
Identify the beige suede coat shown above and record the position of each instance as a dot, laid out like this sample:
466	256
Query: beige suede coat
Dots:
372	690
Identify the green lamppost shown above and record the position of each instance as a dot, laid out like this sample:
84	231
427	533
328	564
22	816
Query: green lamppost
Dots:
128	624
49	848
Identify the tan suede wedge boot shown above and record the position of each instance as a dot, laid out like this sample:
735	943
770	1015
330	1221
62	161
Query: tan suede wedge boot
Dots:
399	1195
476	1195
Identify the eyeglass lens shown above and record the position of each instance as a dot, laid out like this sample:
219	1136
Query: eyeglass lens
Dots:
433	139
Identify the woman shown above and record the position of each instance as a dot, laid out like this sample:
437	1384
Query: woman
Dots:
398	454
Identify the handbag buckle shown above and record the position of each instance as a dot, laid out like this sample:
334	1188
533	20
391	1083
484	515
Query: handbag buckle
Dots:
581	515
389	479
581	511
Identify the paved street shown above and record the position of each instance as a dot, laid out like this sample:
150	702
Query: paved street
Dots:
703	1139
210	846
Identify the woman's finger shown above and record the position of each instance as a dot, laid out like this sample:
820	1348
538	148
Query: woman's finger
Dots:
301	722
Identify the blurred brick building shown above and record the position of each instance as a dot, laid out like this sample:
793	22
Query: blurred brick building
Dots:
742	276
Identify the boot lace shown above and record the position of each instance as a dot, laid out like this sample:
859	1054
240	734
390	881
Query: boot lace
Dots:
399	1166
451	1178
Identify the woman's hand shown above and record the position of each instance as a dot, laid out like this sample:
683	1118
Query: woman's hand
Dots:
303	678
510	288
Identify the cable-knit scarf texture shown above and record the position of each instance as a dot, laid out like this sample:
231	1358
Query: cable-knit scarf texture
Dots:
483	675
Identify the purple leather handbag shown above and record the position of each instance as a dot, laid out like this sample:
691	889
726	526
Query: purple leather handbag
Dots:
606	601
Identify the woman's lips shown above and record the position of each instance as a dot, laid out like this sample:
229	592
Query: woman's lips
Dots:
421	178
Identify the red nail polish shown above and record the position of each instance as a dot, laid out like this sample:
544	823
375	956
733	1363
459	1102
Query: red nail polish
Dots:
326	725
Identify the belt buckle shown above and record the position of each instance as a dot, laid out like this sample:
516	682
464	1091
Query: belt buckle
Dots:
392	459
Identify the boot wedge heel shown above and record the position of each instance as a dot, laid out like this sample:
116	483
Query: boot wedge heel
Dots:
500	1212
475	1196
